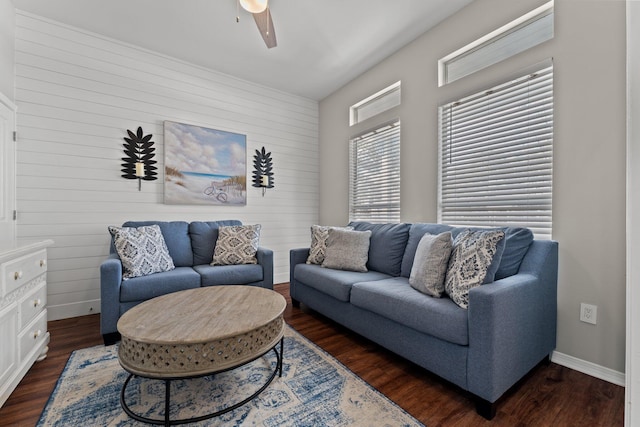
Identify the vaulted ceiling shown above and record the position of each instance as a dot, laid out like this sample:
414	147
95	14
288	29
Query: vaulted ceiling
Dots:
322	44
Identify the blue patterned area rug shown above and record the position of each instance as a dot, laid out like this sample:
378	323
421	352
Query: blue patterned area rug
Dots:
314	390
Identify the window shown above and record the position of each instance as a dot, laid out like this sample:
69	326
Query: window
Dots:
383	100
496	156
374	175
517	36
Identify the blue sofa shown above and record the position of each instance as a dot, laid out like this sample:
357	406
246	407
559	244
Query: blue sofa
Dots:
191	247
508	328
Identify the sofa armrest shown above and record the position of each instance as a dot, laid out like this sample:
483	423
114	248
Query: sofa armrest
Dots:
265	259
297	256
110	281
512	323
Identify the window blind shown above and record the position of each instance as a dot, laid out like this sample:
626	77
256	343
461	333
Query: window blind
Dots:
496	156
374	175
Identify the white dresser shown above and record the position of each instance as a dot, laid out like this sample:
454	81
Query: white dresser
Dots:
23	312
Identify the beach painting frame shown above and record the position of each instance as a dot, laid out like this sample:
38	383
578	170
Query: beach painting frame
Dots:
204	166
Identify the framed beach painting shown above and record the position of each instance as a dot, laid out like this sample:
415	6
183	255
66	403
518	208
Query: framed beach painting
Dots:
204	166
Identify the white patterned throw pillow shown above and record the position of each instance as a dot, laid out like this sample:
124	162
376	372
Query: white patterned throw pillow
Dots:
237	244
142	250
319	234
471	256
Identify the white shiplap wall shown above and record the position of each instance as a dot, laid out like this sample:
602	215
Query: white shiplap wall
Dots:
77	94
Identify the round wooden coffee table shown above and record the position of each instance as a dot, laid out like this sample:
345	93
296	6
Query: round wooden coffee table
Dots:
200	332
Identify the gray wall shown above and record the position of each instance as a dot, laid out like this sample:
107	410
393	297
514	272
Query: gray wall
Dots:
588	51
7	46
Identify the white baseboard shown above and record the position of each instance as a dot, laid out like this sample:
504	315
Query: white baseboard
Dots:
65	311
589	368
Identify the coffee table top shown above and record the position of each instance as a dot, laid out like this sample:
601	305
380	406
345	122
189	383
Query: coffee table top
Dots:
202	330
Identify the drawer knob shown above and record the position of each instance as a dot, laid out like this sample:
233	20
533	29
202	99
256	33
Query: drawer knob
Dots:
43	262
17	275
37	302
36	334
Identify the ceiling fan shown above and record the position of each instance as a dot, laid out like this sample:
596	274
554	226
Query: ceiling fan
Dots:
262	15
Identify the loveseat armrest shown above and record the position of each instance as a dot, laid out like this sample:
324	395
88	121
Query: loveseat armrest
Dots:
512	323
110	281
265	259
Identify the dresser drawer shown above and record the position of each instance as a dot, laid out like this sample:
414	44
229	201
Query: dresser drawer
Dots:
33	334
19	271
32	304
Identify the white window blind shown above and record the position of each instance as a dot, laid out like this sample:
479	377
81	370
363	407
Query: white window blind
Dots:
496	159
374	176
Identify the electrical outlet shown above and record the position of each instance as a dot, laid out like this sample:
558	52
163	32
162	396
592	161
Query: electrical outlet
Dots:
588	313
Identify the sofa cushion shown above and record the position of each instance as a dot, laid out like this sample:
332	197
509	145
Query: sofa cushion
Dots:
472	254
237	244
147	287
142	250
204	236
517	242
395	299
176	236
387	246
347	250
430	264
318	248
229	274
335	283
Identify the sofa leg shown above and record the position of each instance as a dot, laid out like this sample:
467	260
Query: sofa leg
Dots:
485	408
111	338
295	303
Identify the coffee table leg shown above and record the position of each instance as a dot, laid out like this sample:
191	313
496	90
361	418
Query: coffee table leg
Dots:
281	357
167	400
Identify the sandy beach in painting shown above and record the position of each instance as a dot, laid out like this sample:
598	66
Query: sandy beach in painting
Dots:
197	189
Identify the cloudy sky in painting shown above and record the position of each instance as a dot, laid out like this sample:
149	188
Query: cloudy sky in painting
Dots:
191	148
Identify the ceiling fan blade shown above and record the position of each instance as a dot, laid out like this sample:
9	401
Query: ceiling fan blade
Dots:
265	26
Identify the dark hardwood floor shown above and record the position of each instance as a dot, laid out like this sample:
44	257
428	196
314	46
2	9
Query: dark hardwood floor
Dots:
551	395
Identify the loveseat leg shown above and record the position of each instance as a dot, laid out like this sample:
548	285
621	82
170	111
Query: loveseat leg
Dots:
111	338
295	303
485	408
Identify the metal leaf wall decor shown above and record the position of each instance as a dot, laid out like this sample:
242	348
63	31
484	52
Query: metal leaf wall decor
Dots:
263	166
139	149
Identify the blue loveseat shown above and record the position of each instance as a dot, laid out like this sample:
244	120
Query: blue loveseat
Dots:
508	328
191	247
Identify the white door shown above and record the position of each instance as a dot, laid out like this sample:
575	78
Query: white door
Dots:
7	174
